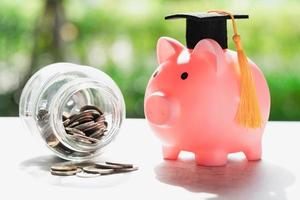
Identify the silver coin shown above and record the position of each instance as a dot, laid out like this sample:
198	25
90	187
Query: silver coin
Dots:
126	169
63	167
107	166
64	173
84	164
95	170
120	164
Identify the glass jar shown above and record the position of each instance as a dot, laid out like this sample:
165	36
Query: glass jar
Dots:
59	91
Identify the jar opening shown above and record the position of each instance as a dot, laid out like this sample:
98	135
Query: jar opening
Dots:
94	133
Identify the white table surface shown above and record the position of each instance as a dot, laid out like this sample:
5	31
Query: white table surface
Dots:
25	162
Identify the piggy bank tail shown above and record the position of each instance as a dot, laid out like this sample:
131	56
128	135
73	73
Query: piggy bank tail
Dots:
248	113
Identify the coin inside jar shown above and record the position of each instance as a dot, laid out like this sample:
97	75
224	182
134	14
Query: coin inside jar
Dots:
87	126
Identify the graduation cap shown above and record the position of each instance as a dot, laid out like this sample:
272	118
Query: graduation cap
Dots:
213	25
205	25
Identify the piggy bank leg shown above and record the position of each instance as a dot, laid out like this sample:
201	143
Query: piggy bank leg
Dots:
211	158
170	153
253	152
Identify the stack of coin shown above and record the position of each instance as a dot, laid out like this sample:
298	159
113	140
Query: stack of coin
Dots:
90	169
88	126
64	170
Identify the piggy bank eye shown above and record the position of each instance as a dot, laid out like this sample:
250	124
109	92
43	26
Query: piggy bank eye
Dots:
155	74
184	75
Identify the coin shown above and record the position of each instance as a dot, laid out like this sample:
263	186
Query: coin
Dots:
52	140
126	169
101	125
75	117
107	166
87	126
84	164
73	131
100	119
90	107
94	113
65	116
90	169
66	122
73	124
84	119
92	128
95	170
84	126
120	164
65	173
62	167
97	134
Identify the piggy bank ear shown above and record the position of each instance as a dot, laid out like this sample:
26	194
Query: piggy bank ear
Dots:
211	47
167	47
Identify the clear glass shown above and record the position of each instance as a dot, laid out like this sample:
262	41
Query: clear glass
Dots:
64	88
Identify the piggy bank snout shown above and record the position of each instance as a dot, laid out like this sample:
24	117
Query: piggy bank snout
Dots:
158	109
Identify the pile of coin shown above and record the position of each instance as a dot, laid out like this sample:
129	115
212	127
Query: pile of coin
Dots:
88	126
90	169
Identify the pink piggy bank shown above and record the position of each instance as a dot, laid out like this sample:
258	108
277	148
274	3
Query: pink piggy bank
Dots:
192	99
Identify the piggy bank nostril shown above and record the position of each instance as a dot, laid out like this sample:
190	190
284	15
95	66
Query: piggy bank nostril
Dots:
157	109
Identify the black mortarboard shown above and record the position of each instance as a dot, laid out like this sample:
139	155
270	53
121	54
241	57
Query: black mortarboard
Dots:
205	25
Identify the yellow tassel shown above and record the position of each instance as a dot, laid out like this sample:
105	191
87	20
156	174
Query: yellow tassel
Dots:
248	113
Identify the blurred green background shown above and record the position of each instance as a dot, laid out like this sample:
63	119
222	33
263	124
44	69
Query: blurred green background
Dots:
119	37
